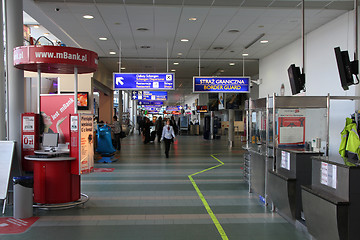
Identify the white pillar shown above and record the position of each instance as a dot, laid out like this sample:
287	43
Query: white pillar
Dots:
2	81
14	32
231	127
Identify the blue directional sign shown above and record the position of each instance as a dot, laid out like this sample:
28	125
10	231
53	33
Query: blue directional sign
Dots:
146	95
146	102
173	108
221	84
144	81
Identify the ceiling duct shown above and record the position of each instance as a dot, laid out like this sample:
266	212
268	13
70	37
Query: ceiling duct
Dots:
255	40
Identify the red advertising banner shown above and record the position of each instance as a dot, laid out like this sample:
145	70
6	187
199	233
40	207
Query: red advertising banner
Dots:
55	110
55	59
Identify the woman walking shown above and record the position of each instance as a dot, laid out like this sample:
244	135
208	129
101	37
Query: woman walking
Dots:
167	135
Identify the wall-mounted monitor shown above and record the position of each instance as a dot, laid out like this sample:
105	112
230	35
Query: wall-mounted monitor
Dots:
296	78
346	68
82	101
202	109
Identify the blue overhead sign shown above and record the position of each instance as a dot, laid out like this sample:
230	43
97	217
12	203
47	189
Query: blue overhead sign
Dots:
221	84
146	95
145	102
144	81
173	108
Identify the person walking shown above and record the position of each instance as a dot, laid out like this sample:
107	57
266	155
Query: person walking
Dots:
146	130
167	135
159	125
117	129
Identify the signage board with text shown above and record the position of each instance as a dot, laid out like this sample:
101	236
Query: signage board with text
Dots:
149	95
145	102
221	84
144	81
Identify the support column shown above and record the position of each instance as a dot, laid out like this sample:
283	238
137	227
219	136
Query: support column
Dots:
120	106
231	127
14	32
2	81
134	107
212	125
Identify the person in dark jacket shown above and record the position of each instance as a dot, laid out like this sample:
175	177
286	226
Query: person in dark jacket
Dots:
146	130
159	127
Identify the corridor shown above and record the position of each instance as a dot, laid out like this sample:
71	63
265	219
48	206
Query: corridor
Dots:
147	196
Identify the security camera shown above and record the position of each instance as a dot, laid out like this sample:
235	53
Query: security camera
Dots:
57	9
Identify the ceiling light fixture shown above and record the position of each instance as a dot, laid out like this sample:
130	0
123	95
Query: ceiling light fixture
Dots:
122	68
245	54
176	63
102	38
184	40
36	26
192	19
173	70
88	16
232	64
145	47
264	41
46	34
180	54
112	53
233	31
218	48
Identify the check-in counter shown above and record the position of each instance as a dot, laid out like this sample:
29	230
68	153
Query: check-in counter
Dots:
332	202
293	169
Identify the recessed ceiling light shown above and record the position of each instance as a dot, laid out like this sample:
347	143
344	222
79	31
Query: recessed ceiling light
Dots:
142	29
232	64
180	54
117	23
176	63
184	40
245	54
46	34
233	31
122	68
102	38
173	70
88	17
145	46
232	51
36	26
218	48
222	70
264	41
260	26
112	53
192	19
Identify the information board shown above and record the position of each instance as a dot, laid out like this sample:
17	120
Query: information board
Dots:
145	102
144	81
173	108
285	160
86	144
221	84
149	95
328	174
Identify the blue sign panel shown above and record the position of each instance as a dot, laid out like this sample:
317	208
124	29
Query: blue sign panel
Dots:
221	84
144	81
145	102
146	95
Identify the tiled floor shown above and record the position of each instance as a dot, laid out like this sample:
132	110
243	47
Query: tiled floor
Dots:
148	196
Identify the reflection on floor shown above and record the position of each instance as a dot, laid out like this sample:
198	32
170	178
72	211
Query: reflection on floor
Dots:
148	196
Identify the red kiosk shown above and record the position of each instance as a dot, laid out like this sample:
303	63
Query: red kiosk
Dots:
56	180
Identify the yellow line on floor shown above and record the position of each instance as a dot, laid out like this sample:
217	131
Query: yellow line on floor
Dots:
206	205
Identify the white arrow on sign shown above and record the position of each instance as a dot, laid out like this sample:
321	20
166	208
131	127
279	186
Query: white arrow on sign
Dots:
119	80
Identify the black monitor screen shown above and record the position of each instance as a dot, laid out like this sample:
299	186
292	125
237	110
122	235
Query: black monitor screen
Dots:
297	80
345	67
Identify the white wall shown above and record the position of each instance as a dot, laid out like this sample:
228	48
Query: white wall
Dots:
320	68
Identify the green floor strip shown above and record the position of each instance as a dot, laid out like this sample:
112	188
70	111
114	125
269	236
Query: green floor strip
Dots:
206	205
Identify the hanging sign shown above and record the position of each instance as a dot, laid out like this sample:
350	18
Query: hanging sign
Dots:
145	102
173	108
146	95
144	81
221	84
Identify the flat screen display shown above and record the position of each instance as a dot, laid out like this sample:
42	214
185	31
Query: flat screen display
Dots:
50	140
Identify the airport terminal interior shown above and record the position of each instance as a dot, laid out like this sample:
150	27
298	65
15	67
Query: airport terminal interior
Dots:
179	119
